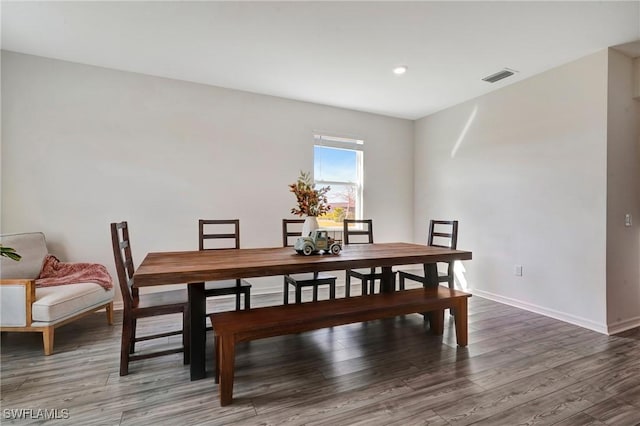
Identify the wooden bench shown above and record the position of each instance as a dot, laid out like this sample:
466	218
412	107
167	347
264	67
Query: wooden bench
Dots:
237	326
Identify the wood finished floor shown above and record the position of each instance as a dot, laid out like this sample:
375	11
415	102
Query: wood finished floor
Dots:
519	368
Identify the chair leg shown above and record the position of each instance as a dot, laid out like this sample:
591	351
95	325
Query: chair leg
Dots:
109	309
134	327
125	345
347	285
285	292
237	300
315	292
401	281
298	294
364	287
47	339
186	340
372	286
332	290
452	286
247	299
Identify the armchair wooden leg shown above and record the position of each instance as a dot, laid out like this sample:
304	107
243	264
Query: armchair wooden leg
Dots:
47	337
109	309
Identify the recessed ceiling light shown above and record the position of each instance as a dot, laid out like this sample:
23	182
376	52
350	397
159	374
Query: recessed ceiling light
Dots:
400	69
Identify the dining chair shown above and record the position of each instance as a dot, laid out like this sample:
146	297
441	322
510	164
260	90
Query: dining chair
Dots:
442	233
138	305
360	231
225	235
299	281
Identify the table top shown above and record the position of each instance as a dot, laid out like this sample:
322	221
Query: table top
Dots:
211	265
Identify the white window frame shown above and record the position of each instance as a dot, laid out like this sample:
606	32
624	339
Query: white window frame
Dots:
348	144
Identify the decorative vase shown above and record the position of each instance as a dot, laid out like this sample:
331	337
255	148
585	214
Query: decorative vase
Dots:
310	224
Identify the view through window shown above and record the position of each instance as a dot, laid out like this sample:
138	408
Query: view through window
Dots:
338	164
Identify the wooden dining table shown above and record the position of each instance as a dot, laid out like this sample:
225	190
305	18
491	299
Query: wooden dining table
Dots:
196	267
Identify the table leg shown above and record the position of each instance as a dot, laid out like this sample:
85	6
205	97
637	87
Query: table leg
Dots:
388	284
197	307
431	275
431	281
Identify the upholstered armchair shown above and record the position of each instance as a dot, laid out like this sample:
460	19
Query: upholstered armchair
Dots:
27	308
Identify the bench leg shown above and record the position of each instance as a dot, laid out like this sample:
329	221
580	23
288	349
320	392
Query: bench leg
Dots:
436	321
461	322
227	365
216	344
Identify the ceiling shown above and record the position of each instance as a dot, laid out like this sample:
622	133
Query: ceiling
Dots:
333	53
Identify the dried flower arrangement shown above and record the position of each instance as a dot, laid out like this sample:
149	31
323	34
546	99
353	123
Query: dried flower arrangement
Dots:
311	201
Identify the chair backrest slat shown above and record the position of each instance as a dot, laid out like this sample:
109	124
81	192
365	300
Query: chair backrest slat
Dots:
287	233
449	234
124	263
218	236
348	231
221	236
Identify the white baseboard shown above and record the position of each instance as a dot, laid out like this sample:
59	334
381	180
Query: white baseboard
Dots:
562	316
620	326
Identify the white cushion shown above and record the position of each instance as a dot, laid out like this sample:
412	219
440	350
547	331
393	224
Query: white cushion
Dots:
33	249
13	299
62	301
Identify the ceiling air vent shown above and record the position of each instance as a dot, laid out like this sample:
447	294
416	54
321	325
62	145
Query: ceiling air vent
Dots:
499	75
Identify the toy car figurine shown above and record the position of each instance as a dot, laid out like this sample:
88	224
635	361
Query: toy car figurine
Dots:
318	241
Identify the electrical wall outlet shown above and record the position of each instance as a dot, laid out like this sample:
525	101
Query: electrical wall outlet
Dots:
517	270
628	219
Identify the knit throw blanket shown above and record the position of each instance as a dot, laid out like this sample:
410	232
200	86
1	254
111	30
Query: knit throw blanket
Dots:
55	272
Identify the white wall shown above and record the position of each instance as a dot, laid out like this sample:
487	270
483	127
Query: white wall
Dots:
528	184
84	146
623	196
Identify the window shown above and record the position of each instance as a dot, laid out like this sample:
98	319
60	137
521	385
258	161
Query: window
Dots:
338	164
